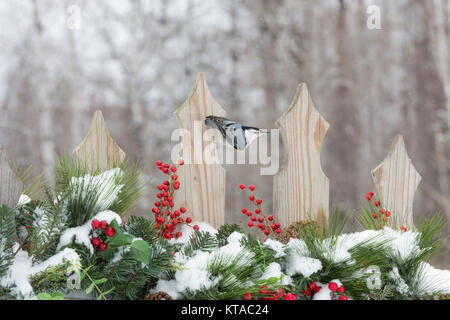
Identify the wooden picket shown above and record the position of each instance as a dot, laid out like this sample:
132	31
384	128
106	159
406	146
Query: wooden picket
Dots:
203	185
301	189
10	187
98	150
396	181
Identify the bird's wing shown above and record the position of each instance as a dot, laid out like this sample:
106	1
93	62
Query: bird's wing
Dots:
236	136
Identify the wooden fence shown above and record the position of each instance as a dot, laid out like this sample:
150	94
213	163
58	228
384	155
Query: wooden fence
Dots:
301	189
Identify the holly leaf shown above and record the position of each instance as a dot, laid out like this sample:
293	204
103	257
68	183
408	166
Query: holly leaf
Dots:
119	239
50	296
140	251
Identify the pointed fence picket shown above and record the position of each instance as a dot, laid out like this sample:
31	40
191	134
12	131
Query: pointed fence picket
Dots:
98	150
301	189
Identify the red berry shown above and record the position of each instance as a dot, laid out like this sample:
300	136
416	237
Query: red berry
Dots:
95	242
341	289
183	209
368	197
343	298
257	211
251	198
103	246
95	223
248	296
376	203
242	186
403	229
244	211
250	224
333	286
374	215
181	162
266	232
160	186
103	225
165	170
388	213
196	227
317	289
173	169
155	210
253	218
251	188
290	296
270	218
110	232
188	220
179	234
277	225
259	201
158	163
307	292
174	177
312	286
261	219
278	231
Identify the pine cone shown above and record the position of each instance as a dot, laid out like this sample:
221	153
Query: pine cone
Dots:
293	231
160	295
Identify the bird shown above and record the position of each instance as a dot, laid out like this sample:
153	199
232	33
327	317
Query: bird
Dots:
239	136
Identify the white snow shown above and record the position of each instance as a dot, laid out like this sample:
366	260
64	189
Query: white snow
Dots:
299	246
23	200
18	275
67	255
431	280
304	265
235	237
401	285
273	270
81	234
276	246
105	184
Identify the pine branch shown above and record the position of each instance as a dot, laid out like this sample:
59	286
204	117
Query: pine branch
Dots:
7	234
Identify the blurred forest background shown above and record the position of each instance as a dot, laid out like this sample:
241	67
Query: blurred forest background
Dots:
138	60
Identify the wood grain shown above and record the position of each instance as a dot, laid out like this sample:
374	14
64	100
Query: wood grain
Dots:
98	150
396	181
301	189
10	187
202	190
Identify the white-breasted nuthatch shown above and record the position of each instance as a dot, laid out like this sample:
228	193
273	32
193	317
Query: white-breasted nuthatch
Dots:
234	133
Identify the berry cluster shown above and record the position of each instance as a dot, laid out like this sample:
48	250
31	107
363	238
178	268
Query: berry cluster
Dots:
166	220
271	295
100	233
265	224
337	292
312	289
379	214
